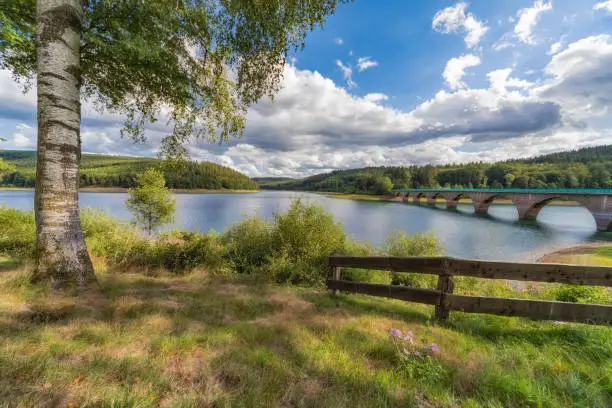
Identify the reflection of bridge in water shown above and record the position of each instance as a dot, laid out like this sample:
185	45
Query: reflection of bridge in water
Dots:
528	202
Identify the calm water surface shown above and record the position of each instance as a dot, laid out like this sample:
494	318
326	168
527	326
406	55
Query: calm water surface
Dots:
497	236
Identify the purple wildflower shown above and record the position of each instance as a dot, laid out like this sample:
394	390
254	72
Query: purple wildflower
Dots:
435	348
395	333
406	351
408	336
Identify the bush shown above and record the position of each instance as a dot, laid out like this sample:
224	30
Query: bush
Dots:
249	244
18	233
421	244
293	247
582	294
123	245
307	236
357	248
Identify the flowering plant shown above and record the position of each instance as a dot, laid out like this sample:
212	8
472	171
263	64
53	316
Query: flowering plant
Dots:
416	357
409	348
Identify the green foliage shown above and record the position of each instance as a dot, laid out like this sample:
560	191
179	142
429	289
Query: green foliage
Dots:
293	247
421	244
581	294
585	168
249	244
308	236
18	232
119	171
204	61
357	248
151	202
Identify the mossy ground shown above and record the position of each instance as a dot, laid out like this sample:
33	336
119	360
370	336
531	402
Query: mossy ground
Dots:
199	341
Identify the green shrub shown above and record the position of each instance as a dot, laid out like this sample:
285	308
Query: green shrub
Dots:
293	247
123	245
183	250
421	244
308	236
248	244
118	242
357	248
581	294
18	232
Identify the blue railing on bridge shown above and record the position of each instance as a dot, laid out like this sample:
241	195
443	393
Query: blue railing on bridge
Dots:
510	190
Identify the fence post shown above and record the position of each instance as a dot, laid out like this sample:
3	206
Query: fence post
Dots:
445	286
336	275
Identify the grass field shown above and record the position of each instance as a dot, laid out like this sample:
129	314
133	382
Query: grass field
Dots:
194	341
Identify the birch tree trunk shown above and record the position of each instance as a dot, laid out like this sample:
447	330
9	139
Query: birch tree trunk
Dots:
62	257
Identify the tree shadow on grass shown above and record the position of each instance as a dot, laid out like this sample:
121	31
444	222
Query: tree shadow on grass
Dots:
363	304
187	341
244	335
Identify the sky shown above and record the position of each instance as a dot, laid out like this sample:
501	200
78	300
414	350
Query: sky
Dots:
396	82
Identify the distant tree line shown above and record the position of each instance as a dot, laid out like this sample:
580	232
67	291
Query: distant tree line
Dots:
117	171
584	168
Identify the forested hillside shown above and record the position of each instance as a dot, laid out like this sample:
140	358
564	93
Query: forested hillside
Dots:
585	168
121	171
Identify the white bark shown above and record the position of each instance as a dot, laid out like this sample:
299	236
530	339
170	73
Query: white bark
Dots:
62	255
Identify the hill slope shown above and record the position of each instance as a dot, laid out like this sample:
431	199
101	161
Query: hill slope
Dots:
120	171
584	168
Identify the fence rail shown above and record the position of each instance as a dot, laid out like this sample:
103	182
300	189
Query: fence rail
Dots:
446	301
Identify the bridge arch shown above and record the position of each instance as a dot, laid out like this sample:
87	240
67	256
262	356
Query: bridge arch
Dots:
431	198
416	198
528	202
529	209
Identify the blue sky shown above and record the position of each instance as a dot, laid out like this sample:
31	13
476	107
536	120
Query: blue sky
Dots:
407	82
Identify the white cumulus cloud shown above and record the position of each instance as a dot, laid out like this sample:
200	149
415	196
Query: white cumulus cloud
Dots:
528	18
500	81
455	70
604	5
376	97
364	63
581	79
556	47
347	72
456	20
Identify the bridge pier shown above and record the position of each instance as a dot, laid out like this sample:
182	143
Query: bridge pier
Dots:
431	200
452	204
601	208
603	221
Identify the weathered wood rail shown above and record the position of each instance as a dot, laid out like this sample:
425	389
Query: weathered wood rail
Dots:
446	301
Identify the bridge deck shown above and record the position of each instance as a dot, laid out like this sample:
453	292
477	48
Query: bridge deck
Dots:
582	191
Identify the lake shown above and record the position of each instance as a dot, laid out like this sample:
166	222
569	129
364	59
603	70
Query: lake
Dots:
497	236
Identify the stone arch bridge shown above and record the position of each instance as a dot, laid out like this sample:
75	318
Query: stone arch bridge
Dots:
528	202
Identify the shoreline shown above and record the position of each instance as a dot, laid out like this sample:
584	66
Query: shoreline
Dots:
124	190
583	254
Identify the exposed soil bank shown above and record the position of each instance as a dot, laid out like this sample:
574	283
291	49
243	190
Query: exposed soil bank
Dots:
586	254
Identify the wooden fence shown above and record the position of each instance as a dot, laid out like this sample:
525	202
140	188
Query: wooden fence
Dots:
445	301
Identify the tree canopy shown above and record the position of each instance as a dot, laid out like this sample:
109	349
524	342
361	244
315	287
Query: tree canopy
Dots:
584	168
197	64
